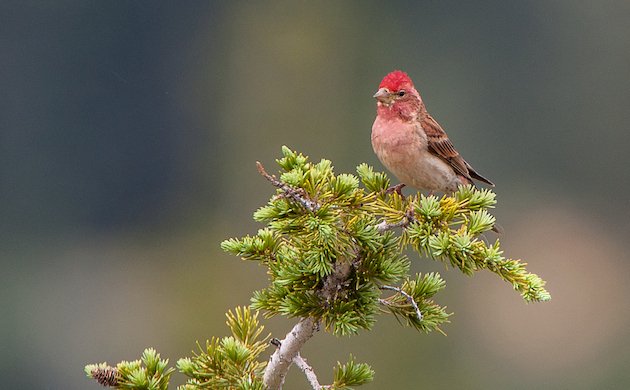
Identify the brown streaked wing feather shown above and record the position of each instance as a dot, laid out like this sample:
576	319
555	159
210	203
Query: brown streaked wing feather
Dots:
441	146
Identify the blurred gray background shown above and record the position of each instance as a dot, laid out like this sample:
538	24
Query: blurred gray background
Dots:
129	132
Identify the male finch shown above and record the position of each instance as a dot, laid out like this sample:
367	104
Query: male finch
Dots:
411	144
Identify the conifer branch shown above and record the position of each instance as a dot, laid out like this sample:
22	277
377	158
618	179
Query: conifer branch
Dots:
150	371
331	248
289	348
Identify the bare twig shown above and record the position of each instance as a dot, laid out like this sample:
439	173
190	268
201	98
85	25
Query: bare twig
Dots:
410	299
302	365
289	348
308	371
297	194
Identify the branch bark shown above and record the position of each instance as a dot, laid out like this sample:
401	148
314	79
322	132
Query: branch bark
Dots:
282	358
409	298
406	221
308	371
297	194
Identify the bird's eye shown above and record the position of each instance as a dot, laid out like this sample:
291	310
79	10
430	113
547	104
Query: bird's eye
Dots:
401	93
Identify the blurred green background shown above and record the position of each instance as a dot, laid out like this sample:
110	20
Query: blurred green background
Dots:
129	132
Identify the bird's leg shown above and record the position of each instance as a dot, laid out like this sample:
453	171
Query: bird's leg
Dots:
397	189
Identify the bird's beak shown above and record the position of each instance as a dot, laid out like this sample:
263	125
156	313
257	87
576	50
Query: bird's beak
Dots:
383	96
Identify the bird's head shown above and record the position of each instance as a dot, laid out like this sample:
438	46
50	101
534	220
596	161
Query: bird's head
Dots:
397	92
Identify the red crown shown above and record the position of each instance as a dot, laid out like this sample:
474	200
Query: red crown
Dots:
396	80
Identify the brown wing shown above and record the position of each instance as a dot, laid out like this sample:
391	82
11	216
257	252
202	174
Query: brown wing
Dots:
441	146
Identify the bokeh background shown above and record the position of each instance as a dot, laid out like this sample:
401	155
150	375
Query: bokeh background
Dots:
129	132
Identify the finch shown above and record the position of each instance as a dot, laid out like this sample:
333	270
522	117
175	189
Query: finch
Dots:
411	144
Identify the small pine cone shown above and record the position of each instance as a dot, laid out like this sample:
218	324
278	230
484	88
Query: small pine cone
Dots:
106	376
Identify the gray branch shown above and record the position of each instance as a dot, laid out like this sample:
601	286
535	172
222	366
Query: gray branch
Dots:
289	348
410	299
308	371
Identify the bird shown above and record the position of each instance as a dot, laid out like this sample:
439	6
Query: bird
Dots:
412	145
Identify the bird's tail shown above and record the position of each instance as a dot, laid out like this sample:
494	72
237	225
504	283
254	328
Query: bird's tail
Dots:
477	176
